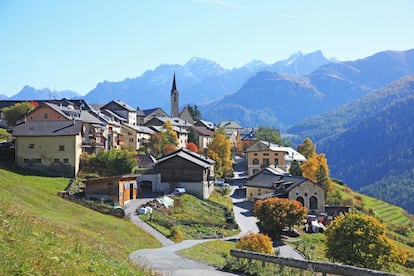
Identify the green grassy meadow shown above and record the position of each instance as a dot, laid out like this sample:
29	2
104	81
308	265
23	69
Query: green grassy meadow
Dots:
42	234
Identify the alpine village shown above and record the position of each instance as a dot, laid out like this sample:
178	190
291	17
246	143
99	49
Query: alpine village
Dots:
112	189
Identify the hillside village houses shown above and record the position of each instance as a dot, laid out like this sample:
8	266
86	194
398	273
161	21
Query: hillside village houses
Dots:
52	137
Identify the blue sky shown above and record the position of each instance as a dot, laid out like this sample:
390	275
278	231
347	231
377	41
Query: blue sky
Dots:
78	43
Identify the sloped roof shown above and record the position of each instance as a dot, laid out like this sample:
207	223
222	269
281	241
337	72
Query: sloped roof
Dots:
188	155
175	121
121	104
203	130
113	115
207	124
271	178
149	111
48	128
140	129
229	124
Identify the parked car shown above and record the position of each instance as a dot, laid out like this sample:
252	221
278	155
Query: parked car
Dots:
219	183
290	232
179	191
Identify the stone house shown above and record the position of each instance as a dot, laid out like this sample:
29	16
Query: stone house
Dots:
273	182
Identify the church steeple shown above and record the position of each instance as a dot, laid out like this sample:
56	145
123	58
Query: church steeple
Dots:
174	99
174	86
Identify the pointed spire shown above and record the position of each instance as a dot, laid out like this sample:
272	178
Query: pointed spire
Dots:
174	86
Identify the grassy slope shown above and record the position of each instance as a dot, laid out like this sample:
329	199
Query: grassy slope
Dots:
207	217
42	234
214	253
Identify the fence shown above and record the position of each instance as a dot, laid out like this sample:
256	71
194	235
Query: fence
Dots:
331	268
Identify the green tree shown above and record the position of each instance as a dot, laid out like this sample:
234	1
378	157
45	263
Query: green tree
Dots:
276	213
195	112
113	162
271	135
220	151
295	168
361	240
13	113
307	149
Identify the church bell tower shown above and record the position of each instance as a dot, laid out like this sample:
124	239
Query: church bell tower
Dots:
174	99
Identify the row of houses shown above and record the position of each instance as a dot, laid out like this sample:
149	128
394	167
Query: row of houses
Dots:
52	137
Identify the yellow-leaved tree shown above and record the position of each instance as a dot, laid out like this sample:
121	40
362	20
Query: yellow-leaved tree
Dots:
361	240
219	150
255	242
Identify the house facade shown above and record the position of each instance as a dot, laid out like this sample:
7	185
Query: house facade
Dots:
273	182
184	168
50	147
262	154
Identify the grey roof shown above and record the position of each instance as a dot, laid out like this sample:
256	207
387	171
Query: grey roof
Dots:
229	125
193	157
175	121
203	130
207	124
122	105
48	128
149	111
113	115
105	118
76	114
271	178
140	129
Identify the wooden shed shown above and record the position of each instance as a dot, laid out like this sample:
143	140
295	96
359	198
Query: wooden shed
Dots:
116	190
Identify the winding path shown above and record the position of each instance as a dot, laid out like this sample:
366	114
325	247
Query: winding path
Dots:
166	260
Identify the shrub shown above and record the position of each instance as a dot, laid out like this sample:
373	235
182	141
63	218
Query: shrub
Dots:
255	242
176	234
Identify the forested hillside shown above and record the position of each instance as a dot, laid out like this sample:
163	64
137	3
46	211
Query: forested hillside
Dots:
369	142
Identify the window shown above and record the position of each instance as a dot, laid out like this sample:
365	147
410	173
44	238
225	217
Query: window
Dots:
65	160
56	161
45	116
61	148
31	146
266	162
313	203
26	160
255	161
266	154
131	140
38	160
300	200
276	161
255	154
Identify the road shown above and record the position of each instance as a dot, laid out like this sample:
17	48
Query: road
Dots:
166	261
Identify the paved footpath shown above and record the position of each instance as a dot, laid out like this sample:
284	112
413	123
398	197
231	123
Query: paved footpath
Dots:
166	261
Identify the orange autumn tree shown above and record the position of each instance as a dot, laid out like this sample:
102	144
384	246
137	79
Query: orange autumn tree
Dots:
191	146
255	242
164	142
276	213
